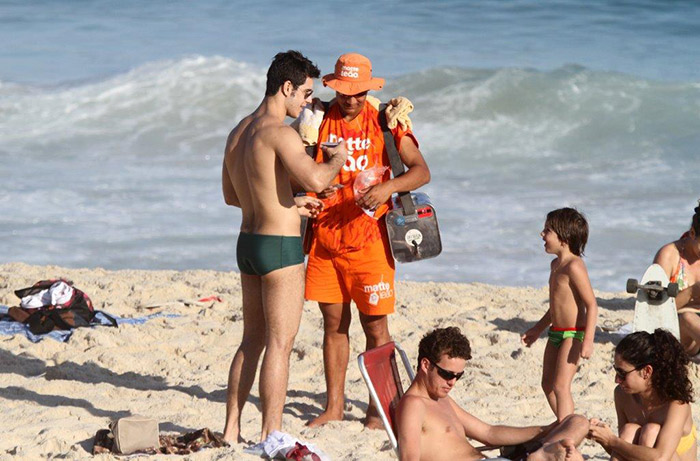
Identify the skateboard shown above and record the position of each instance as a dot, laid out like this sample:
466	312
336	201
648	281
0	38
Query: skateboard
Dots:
655	306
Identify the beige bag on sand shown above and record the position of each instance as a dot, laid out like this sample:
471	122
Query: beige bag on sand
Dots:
134	433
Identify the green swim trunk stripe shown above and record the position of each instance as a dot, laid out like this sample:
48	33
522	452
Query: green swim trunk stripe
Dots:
259	254
557	336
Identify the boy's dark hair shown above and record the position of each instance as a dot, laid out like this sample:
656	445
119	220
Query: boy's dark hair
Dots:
289	65
695	224
570	226
669	361
441	341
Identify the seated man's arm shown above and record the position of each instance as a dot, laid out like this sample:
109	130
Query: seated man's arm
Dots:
311	176
229	192
418	174
409	420
487	434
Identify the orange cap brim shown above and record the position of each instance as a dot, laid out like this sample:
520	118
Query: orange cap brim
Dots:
351	88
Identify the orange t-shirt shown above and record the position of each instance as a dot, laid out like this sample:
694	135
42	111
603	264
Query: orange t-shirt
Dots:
343	226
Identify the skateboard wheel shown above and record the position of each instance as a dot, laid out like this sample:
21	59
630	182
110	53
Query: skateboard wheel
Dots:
632	285
672	290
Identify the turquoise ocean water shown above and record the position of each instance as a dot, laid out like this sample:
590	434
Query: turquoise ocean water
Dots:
113	117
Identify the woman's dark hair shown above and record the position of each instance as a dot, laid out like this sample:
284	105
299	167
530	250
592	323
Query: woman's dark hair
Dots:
570	226
441	341
290	65
669	361
695	224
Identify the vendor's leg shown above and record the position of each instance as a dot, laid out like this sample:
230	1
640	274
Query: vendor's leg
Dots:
245	361
376	328
336	351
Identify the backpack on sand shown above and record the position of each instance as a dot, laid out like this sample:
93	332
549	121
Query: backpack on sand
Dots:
77	311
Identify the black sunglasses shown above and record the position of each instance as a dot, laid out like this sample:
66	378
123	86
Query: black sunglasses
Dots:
622	374
447	375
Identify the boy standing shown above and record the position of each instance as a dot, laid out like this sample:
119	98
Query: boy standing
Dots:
572	309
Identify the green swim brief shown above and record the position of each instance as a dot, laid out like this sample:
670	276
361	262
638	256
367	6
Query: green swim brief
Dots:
259	254
557	335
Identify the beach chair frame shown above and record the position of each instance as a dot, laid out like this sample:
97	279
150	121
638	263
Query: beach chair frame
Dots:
377	358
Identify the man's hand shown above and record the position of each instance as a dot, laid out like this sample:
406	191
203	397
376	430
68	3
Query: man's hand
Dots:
341	149
601	433
587	350
374	196
530	336
308	206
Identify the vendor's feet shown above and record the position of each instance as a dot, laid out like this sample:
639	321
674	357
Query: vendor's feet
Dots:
325	417
373	422
372	419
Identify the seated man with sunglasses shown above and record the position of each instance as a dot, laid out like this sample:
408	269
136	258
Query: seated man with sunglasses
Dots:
432	427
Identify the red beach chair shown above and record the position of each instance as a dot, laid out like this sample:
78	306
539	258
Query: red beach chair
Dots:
381	374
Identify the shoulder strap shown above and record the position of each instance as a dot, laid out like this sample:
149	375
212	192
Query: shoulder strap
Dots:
397	167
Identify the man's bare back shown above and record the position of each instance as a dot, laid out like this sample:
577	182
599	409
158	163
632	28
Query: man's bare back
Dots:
259	178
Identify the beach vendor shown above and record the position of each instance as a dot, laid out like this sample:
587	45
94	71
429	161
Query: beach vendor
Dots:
681	261
432	427
652	401
262	154
350	259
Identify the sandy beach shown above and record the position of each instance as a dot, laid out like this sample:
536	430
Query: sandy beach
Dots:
55	395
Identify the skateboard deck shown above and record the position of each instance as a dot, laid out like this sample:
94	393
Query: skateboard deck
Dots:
655	306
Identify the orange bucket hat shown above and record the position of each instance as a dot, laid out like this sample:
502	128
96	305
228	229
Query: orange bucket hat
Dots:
353	75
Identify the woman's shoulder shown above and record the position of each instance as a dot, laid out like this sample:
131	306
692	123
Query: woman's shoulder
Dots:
668	254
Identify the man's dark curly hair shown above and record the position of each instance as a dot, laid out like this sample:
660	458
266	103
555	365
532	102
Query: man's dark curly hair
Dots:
669	361
570	226
290	65
441	341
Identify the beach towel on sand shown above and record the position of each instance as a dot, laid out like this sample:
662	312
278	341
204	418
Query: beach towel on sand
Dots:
8	326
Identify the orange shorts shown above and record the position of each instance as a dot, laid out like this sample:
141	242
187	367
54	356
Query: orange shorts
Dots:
365	276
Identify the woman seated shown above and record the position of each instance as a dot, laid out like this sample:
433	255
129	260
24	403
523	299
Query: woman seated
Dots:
681	261
652	400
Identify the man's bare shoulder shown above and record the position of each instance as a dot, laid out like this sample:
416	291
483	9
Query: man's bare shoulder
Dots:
237	132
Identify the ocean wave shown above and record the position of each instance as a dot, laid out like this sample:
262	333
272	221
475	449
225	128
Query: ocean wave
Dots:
168	103
462	115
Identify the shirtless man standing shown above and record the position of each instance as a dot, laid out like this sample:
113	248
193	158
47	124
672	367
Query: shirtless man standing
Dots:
432	427
262	155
